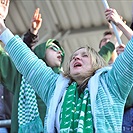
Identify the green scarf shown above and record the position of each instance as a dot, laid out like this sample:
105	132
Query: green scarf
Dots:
76	114
28	115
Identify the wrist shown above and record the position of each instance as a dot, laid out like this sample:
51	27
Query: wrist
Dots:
120	23
34	31
2	28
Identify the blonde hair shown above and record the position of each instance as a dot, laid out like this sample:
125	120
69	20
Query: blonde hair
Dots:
97	63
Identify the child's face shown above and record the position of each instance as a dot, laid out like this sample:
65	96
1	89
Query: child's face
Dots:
53	56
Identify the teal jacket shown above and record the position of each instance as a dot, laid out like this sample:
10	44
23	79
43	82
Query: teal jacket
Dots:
106	53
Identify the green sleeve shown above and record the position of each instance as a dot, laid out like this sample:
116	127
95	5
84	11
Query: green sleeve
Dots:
129	101
106	51
9	75
1	49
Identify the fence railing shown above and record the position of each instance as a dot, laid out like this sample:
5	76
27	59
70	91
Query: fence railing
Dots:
5	123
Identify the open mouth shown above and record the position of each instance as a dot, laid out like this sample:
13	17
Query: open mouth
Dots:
59	57
77	64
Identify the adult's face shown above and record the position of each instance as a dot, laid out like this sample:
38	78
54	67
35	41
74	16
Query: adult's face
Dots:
53	56
80	64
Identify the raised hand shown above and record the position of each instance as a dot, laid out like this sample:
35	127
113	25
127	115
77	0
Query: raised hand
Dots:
36	22
112	15
4	6
119	31
120	49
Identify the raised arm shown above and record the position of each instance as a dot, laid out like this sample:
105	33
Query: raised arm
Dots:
112	15
122	72
119	31
34	70
31	37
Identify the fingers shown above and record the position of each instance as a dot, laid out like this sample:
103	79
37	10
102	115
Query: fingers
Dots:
36	13
34	25
112	15
109	13
36	22
5	2
120	49
4	6
39	17
2	1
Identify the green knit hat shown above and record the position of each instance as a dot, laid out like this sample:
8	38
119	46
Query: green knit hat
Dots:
41	49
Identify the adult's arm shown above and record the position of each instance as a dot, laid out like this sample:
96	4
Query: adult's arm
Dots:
112	15
42	78
121	75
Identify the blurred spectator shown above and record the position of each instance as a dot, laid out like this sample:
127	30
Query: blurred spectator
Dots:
5	105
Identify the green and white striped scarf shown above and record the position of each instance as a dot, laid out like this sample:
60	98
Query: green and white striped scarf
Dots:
76	114
28	115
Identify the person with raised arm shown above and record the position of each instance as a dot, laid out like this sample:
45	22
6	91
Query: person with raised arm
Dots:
28	109
88	97
127	125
